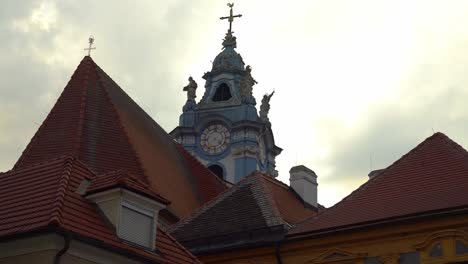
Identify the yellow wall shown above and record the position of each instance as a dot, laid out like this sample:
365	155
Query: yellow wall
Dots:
386	243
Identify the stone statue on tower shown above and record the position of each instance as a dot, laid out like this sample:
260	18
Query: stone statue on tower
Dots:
191	89
246	84
265	106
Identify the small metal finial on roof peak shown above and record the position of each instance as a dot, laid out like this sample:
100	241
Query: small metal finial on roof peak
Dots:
230	40
90	41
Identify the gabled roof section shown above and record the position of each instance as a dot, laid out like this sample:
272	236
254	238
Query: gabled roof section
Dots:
123	179
97	122
258	209
43	197
431	177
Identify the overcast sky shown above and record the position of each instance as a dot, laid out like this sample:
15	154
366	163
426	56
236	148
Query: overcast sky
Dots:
358	83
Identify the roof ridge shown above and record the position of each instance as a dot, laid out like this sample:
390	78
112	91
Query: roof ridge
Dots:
82	108
82	164
99	79
274	180
276	218
27	150
453	144
56	214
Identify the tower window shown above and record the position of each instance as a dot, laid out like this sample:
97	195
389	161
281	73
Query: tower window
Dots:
222	93
217	170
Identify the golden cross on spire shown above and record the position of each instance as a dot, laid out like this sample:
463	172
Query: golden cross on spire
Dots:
230	18
91	41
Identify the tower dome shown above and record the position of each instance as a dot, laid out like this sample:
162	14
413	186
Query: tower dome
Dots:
228	60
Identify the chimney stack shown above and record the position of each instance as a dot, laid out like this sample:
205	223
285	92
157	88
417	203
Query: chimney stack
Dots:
304	182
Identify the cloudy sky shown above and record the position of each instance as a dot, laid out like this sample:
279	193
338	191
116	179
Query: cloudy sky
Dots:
358	83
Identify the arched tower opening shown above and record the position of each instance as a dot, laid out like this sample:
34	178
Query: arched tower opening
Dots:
222	93
217	170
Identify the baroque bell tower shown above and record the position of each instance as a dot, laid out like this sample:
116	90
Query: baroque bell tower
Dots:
223	130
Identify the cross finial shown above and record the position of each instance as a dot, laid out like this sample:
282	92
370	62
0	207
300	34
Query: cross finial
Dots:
231	17
90	41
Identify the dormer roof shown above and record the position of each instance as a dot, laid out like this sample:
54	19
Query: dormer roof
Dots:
123	179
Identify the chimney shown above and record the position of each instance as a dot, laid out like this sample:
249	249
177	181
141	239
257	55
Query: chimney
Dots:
304	182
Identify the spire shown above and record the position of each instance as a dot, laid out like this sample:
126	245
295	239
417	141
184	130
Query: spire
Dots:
230	40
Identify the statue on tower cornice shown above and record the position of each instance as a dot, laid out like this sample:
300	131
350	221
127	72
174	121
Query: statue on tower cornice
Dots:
265	106
191	89
246	84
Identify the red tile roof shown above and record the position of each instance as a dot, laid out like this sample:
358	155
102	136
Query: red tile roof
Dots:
289	204
257	202
44	195
209	189
124	179
431	177
96	121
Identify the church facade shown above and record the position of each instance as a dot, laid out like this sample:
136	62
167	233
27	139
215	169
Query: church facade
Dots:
224	130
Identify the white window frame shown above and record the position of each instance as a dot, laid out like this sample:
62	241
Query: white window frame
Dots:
145	212
121	197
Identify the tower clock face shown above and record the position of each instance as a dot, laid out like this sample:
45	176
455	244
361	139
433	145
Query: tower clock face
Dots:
215	139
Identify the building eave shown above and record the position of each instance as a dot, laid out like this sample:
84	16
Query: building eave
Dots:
379	223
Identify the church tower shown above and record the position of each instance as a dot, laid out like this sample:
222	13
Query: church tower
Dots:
223	130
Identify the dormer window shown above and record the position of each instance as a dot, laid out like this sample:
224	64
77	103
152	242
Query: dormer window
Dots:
129	205
137	225
134	216
222	93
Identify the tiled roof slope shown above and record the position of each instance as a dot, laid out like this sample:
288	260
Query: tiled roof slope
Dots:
43	196
124	179
431	177
96	121
257	209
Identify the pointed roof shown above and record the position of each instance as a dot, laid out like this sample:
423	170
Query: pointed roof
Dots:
43	197
258	204
96	121
430	178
